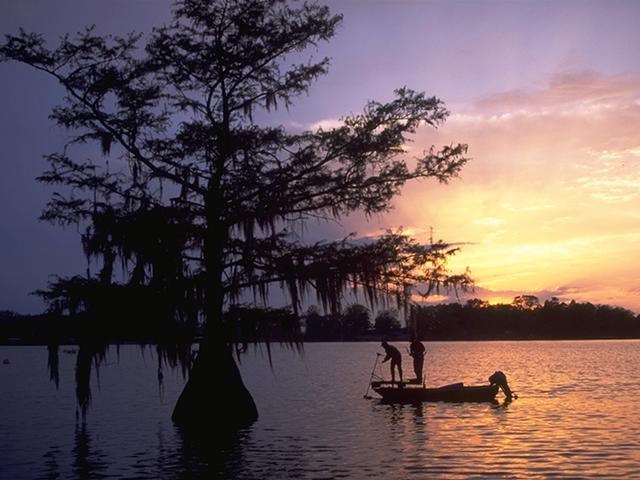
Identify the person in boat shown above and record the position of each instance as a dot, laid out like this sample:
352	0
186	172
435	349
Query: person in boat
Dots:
500	379
416	351
393	354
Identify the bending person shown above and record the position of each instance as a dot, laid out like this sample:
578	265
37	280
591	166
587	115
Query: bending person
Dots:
395	356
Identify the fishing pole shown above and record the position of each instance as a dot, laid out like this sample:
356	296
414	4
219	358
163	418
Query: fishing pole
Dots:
373	371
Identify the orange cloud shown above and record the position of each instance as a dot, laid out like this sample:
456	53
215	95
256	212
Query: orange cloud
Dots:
574	90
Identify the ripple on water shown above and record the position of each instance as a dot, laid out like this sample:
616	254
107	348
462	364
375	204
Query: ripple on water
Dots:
576	417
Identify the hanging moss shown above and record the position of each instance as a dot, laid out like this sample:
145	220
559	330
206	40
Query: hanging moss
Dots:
197	200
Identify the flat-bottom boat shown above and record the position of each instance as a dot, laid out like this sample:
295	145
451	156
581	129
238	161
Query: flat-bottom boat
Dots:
401	392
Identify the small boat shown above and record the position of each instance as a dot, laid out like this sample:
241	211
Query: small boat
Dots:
401	392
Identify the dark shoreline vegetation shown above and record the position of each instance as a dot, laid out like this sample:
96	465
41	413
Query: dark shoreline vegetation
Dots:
524	319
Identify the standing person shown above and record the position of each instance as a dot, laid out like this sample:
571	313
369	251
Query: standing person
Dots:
395	356
416	350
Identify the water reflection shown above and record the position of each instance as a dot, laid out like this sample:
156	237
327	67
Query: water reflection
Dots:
242	456
199	456
502	404
51	465
578	421
53	364
89	462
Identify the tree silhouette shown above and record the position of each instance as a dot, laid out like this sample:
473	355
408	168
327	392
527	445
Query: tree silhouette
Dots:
387	321
322	327
194	198
477	320
526	302
356	320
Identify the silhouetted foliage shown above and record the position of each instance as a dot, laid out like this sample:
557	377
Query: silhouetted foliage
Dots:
553	320
356	320
192	201
387	321
475	320
354	323
526	302
322	327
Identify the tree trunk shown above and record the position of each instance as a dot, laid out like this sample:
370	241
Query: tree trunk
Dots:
215	398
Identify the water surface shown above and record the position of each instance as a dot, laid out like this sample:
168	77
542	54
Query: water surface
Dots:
576	417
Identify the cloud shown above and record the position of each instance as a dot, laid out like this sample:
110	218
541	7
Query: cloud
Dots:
574	111
585	91
616	154
489	221
324	124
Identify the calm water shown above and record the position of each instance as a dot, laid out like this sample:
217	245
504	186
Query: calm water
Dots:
577	417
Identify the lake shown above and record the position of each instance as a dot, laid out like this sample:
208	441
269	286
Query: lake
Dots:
577	416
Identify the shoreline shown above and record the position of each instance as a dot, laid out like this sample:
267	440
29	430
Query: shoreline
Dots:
27	343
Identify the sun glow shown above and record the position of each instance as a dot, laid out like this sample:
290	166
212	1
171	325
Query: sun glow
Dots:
550	201
499	300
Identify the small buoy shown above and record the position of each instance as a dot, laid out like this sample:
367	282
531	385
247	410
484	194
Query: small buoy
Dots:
6	361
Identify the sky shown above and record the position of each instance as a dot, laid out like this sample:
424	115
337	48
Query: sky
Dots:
545	93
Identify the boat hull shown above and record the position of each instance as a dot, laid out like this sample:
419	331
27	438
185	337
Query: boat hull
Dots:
394	394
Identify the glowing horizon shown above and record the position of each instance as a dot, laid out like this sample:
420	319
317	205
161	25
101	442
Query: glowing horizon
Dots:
550	203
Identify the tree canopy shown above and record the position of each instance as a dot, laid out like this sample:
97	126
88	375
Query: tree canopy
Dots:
195	196
193	200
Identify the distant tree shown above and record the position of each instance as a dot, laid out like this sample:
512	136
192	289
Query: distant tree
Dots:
316	325
387	321
356	320
8	315
421	321
195	196
553	302
526	302
323	327
313	322
476	303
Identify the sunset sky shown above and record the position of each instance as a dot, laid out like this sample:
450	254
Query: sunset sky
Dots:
546	94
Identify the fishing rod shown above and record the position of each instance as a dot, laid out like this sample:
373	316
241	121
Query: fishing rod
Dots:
373	372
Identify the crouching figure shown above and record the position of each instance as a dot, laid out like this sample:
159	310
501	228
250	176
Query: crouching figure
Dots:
500	379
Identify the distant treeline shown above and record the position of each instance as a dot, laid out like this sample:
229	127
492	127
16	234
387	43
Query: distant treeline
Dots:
524	318
354	323
16	328
52	328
